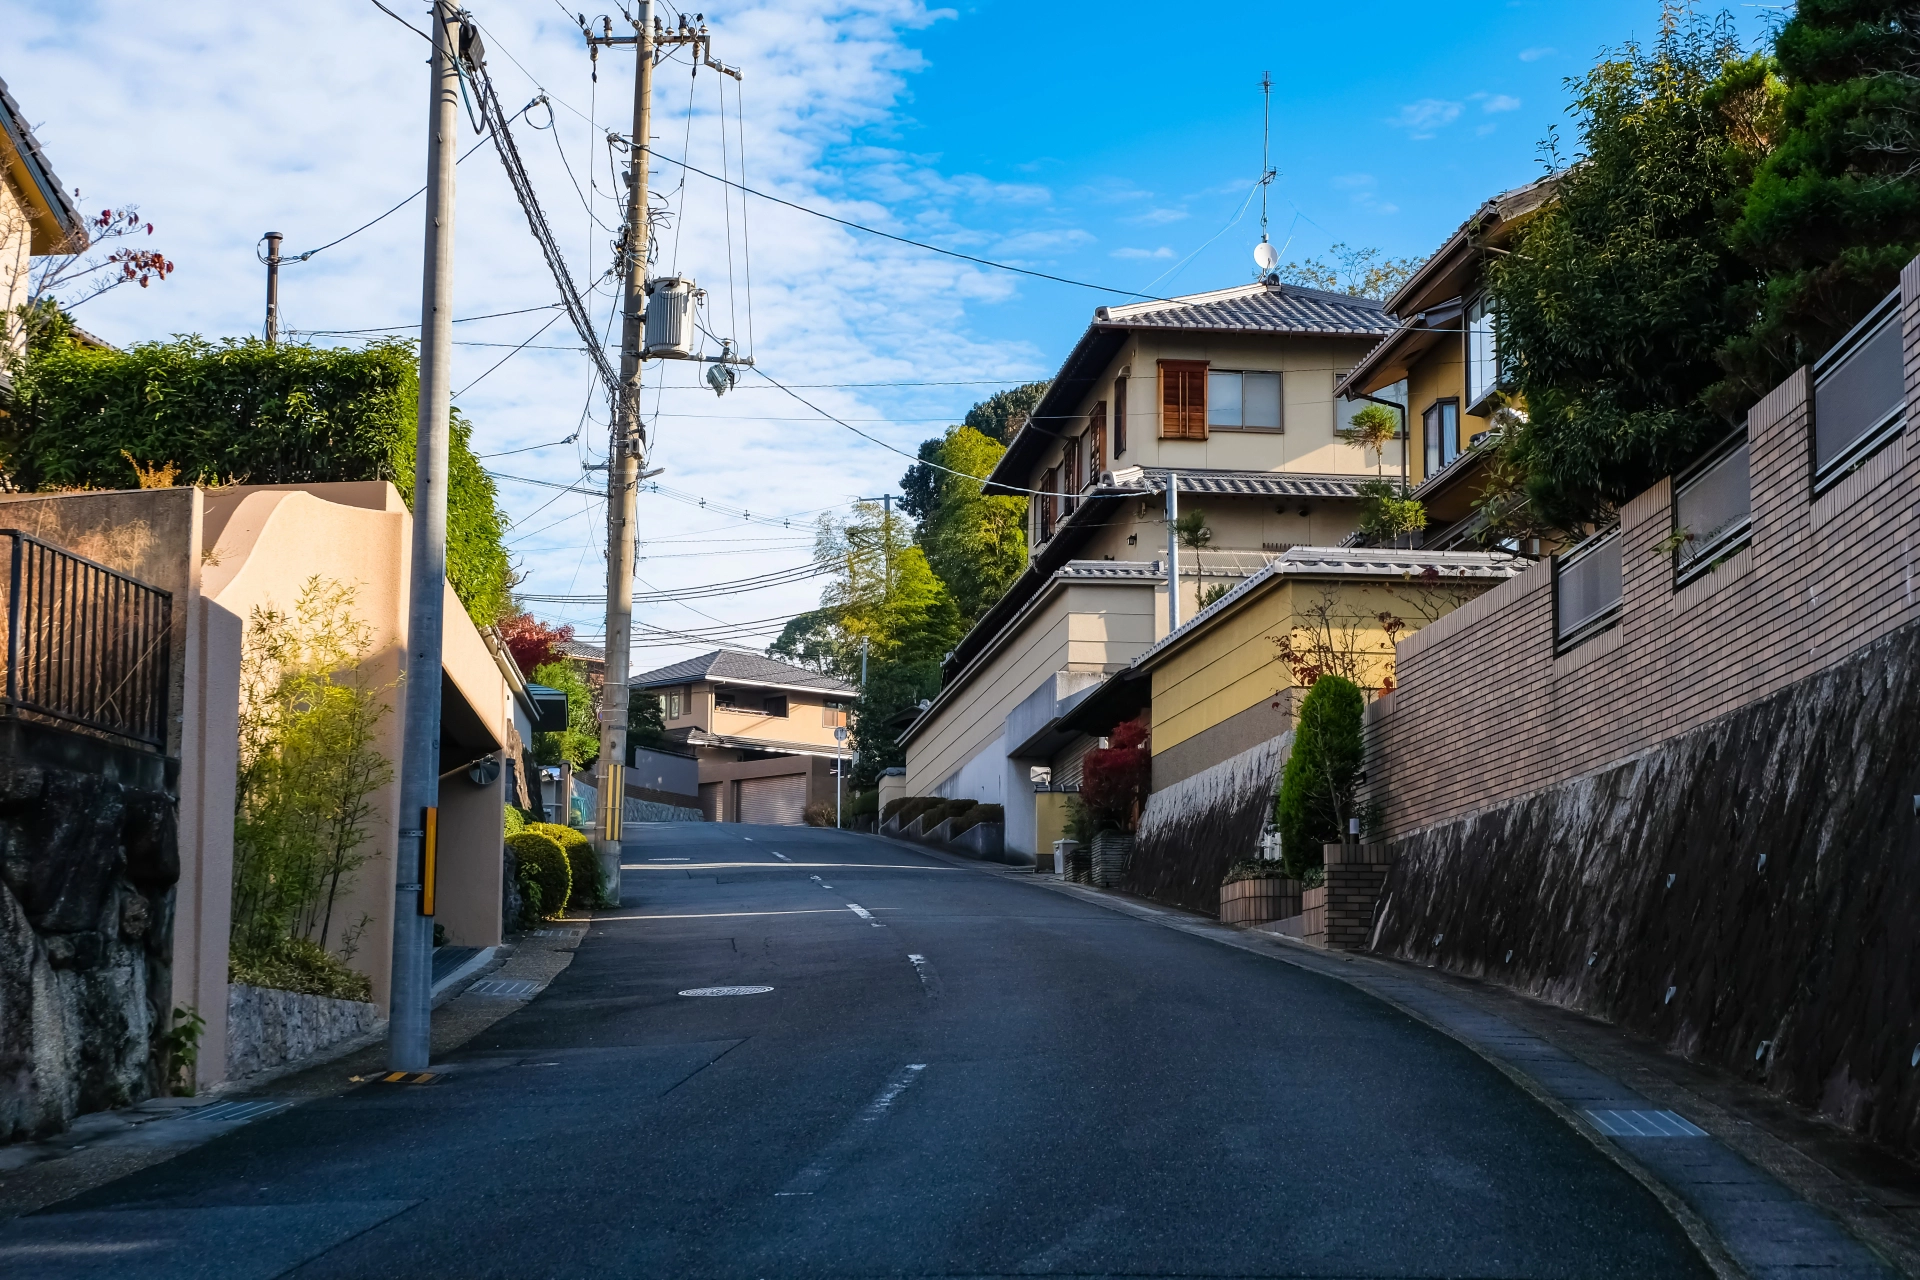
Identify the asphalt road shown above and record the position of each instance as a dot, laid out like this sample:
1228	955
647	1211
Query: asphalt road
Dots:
955	1074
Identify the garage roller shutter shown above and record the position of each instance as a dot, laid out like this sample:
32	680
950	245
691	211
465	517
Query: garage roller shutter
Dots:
711	795
774	802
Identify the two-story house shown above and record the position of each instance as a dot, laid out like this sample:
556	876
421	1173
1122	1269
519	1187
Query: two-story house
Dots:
1445	354
1232	393
761	730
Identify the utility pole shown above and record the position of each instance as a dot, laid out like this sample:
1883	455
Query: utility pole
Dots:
1173	552
625	455
273	239
408	1039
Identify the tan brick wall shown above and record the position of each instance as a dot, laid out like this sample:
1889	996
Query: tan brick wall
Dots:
1485	712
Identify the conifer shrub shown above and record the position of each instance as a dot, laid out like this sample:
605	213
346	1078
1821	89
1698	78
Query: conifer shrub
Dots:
1317	789
543	862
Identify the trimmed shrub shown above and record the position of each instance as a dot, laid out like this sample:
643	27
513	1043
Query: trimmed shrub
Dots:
582	862
862	803
298	964
1317	790
544	862
818	814
944	810
915	806
894	806
1256	869
978	814
515	821
526	882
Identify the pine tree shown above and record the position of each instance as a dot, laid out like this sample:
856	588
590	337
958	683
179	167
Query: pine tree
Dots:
1834	212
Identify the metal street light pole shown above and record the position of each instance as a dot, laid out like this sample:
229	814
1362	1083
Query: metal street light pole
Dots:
409	1024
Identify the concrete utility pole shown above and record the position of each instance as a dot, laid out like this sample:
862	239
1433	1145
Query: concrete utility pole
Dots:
273	239
408	1040
1173	552
625	456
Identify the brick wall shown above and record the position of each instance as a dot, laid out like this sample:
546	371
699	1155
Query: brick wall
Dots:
1822	578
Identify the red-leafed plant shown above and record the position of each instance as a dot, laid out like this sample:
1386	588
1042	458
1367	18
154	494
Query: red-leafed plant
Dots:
532	642
1113	779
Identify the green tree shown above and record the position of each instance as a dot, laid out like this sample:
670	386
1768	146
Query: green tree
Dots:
1000	414
1614	302
241	411
1833	213
997	418
308	768
1360	273
579	743
1317	789
975	544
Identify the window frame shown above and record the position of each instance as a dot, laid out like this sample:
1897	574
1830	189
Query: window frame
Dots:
1427	445
833	715
1280	406
1890	312
769	702
1733	536
1476	400
1097	442
1119	416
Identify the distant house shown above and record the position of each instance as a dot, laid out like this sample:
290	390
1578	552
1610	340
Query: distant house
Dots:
762	731
1232	392
36	217
1445	357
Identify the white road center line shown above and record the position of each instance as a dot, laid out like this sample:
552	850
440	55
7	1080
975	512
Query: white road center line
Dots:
851	1138
864	914
783	857
928	978
817	880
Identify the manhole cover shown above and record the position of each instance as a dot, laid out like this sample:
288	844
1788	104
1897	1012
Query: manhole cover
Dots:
726	991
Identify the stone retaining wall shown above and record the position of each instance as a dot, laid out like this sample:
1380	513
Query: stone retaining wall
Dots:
268	1028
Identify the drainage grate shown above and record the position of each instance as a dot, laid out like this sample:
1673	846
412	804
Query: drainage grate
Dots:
235	1112
559	933
726	991
1644	1124
506	990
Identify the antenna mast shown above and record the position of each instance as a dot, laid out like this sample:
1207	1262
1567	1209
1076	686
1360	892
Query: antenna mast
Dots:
1264	255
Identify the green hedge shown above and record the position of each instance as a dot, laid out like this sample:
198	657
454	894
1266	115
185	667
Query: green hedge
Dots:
979	813
581	860
298	964
541	856
243	412
915	806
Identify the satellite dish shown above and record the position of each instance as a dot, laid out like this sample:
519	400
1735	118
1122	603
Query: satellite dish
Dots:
1265	256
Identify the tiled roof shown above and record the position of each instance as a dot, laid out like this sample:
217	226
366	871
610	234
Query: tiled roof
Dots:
20	137
733	667
1255	484
1126	569
581	649
1263	308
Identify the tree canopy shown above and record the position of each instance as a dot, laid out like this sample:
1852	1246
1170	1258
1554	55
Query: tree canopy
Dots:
974	543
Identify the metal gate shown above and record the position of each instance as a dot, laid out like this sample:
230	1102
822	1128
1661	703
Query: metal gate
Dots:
774	802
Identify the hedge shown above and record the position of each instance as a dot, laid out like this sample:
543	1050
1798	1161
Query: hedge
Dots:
979	813
541	854
582	862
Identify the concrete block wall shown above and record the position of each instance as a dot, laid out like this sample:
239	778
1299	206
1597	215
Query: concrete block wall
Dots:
1486	712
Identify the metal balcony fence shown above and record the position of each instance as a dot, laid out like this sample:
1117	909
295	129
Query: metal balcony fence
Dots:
1586	590
1859	393
1712	509
86	645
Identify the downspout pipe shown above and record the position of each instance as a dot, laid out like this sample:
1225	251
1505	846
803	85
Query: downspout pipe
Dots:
1173	552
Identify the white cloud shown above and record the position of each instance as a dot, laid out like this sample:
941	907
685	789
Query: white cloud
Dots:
1424	118
1535	54
198	113
1157	217
1499	102
1162	252
1032	242
1355	182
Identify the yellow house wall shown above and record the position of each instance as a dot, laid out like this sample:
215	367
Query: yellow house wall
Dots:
1236	663
16	240
1440	374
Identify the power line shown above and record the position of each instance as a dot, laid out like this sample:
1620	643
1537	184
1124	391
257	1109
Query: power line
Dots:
302	257
510	355
415	324
918	244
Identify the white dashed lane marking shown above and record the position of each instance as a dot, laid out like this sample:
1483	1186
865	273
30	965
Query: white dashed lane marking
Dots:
864	914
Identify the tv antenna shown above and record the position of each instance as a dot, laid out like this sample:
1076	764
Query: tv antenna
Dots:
1265	256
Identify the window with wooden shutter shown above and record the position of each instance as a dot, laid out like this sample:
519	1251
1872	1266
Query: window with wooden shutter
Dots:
1119	416
1070	476
1097	444
1183	399
1049	489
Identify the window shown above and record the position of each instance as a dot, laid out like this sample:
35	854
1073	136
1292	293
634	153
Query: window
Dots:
1243	401
1097	444
725	700
1069	476
1483	352
1440	430
775	704
673	705
1712	506
1586	590
1049	502
1183	399
834	715
1119	416
1859	394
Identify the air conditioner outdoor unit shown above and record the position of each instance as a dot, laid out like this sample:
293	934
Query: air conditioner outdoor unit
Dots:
669	333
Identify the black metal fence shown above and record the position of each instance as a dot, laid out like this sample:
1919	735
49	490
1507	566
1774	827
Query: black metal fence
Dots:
86	645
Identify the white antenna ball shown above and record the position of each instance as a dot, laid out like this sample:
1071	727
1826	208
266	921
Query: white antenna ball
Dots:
1265	256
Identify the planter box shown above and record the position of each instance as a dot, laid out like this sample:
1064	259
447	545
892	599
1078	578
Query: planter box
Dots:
1251	902
987	841
1313	916
268	1028
942	833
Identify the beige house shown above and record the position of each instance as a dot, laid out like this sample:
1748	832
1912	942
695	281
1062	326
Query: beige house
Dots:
763	732
36	217
222	554
1232	392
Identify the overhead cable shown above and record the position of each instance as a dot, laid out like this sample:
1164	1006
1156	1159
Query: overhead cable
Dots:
918	244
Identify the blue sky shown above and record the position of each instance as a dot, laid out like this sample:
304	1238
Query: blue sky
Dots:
1106	143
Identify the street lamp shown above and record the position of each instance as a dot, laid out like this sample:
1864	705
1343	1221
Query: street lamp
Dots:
839	747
